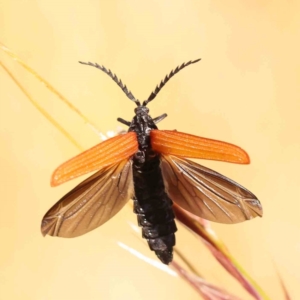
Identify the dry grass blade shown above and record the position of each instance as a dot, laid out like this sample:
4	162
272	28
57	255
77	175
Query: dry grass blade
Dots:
41	110
220	252
283	286
206	290
49	86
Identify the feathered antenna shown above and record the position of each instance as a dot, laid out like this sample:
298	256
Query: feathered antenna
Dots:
167	78
115	79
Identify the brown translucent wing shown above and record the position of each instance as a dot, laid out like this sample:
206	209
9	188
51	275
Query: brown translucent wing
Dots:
206	193
91	203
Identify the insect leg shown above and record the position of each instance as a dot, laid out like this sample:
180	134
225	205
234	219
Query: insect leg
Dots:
160	118
124	121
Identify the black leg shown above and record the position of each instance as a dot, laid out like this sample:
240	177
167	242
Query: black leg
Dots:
124	121
160	118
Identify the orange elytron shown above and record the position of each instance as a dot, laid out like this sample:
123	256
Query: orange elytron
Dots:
149	166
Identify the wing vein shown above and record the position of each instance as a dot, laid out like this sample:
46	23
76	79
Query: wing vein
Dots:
91	203
207	193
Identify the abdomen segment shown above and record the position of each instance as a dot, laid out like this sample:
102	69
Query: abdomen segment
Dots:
154	209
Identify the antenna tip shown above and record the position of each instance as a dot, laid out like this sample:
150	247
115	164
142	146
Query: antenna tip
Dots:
84	63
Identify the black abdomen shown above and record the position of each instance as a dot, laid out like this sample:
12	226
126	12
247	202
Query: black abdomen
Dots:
154	208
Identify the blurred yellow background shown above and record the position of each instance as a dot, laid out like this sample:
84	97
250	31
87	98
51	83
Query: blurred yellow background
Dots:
244	91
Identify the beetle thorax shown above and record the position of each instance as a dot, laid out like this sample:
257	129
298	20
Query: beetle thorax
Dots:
142	124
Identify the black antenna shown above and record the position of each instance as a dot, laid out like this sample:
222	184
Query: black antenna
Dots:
115	79
167	78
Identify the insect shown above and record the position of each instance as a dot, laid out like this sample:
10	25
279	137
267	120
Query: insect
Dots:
149	166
